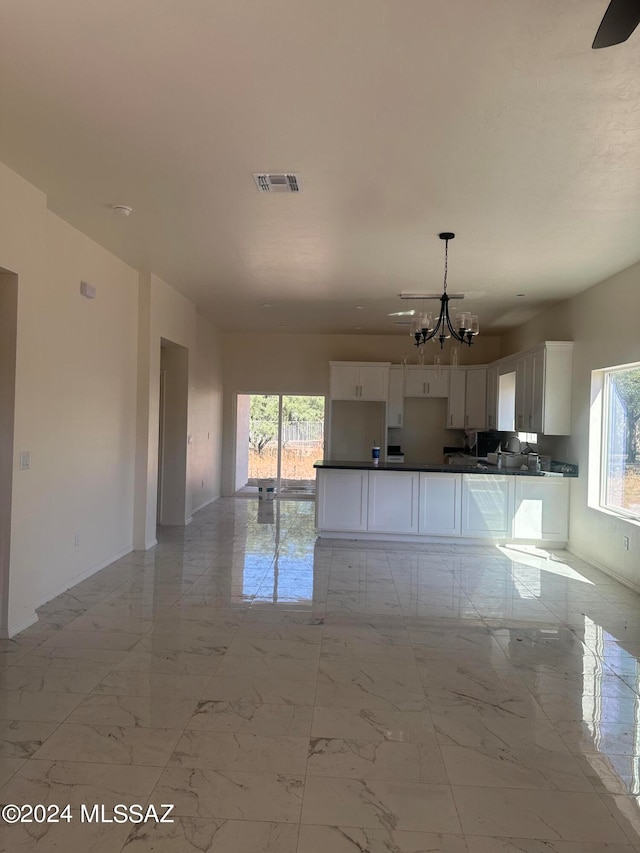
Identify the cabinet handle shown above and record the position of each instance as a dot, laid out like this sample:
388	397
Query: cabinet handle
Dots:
466	420
450	420
530	416
424	387
428	387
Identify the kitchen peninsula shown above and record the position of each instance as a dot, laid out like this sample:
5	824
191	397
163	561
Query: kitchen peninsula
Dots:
441	503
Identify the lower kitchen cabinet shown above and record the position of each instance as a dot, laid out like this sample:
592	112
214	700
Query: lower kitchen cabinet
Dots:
487	505
440	504
541	509
342	499
393	502
428	505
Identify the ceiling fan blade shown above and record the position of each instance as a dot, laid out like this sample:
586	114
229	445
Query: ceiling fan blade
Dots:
620	20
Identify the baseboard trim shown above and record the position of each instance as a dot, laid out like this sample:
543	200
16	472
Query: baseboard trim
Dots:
82	576
12	630
202	506
604	569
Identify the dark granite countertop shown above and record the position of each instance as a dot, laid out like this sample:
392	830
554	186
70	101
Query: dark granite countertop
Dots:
475	467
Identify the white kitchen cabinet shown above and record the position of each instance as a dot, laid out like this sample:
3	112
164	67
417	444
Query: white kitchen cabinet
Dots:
440	504
524	393
395	399
487	505
541	508
393	502
358	380
342	499
467	405
427	382
475	411
456	404
543	389
423	505
492	397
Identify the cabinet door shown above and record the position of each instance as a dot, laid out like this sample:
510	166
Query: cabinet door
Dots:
393	502
492	398
537	391
437	382
343	382
415	382
395	400
374	381
524	393
456	404
440	504
487	501
541	508
476	399
342	500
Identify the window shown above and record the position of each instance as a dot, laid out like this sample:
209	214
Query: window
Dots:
507	402
620	425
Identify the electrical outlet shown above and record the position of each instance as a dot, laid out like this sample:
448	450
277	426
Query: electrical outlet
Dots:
625	542
76	540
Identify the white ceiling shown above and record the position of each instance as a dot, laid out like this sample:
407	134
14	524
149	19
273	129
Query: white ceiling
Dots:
492	118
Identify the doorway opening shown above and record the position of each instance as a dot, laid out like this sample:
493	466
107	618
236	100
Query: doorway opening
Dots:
8	343
278	438
172	434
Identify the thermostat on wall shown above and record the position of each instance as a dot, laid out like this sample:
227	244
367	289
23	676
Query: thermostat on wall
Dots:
87	290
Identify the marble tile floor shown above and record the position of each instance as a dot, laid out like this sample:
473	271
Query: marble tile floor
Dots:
290	695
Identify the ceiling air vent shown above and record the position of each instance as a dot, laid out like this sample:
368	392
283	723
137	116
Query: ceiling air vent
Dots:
277	183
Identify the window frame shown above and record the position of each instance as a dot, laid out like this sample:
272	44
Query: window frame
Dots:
603	380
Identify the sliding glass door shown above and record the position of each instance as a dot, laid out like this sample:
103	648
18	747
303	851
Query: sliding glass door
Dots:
278	437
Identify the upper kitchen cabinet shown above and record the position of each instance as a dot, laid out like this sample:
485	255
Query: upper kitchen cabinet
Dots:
493	374
543	389
475	412
351	380
467	406
456	402
426	382
395	400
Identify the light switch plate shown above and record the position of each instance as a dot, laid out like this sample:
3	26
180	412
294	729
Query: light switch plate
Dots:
25	459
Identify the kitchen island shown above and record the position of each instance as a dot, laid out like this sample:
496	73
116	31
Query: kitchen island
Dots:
441	503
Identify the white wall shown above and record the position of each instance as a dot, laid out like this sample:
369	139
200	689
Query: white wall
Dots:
205	416
172	317
603	323
8	337
299	364
75	400
174	361
82	406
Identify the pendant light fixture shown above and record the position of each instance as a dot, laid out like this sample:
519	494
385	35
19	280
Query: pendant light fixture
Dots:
463	327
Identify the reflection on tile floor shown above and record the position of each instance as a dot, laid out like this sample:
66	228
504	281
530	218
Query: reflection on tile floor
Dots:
290	695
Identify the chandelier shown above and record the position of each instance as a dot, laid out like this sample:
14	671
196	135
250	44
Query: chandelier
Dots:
463	327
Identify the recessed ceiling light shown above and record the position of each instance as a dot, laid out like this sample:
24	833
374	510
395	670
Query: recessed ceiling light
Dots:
359	307
122	209
521	294
266	305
